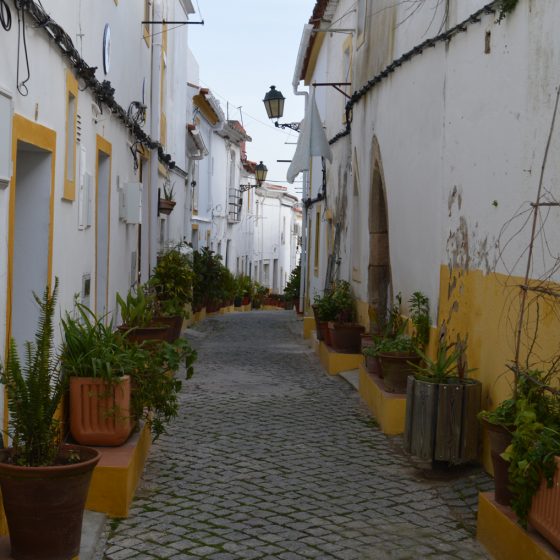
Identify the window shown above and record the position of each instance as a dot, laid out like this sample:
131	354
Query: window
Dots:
70	155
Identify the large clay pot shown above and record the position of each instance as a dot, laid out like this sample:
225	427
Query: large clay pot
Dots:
99	411
544	514
345	337
396	369
150	335
45	505
500	438
174	324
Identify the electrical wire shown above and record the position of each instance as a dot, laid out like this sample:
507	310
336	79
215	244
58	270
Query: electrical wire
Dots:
22	41
5	16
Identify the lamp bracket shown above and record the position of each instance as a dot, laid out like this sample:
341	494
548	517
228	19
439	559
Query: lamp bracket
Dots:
335	85
293	126
244	188
173	22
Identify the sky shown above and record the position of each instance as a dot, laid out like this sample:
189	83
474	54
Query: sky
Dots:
243	48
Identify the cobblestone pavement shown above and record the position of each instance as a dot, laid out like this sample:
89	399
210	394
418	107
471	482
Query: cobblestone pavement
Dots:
273	459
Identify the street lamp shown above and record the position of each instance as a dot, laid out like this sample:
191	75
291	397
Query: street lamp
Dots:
260	175
274	105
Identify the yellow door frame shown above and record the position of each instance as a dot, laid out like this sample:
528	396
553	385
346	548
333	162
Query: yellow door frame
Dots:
24	130
102	145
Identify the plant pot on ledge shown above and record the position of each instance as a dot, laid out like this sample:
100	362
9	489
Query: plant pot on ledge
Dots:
346	337
45	505
166	206
100	412
545	509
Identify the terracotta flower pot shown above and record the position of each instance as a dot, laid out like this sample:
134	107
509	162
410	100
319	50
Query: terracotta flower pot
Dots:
396	369
500	438
152	334
100	412
544	514
166	206
45	505
345	337
174	324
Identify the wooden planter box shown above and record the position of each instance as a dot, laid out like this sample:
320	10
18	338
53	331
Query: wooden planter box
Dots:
544	514
441	420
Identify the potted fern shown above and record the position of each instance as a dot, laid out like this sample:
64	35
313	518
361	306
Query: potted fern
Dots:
44	482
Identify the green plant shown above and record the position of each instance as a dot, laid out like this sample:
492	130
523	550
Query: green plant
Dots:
155	394
168	193
401	344
172	281
34	391
447	364
207	281
502	415
505	7
92	348
420	317
535	440
344	302
325	307
393	324
291	291
137	310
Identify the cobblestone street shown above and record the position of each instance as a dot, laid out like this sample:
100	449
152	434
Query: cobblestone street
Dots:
271	458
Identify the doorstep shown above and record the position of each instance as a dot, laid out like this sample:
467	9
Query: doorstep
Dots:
499	532
117	474
335	362
389	409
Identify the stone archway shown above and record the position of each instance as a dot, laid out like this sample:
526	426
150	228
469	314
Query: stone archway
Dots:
379	269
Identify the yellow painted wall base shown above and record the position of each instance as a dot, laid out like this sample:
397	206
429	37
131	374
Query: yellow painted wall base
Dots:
247	307
504	539
199	315
308	326
116	476
271	308
389	409
335	362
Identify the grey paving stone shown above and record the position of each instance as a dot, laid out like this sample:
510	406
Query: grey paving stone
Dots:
271	458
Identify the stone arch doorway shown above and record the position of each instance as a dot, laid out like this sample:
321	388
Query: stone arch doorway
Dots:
379	269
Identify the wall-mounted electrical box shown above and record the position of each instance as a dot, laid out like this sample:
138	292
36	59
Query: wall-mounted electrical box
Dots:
130	207
6	110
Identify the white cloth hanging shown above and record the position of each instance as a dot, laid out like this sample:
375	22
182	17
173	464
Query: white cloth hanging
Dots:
312	141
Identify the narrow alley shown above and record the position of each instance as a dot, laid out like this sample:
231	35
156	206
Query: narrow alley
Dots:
271	458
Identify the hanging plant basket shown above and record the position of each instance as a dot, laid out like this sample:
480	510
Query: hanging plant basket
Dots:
166	206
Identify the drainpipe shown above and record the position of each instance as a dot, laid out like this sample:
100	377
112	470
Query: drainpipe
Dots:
155	114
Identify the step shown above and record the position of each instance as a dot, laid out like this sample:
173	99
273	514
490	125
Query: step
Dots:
501	535
389	409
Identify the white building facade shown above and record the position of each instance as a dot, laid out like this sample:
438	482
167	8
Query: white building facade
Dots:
89	137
